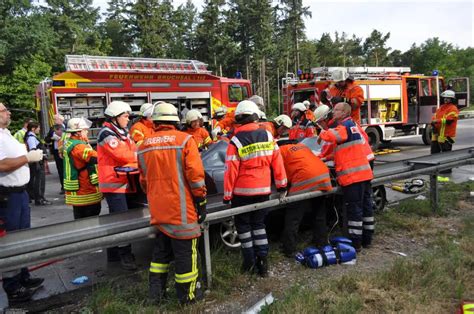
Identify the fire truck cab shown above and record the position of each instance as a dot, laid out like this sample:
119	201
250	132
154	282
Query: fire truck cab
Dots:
91	83
396	103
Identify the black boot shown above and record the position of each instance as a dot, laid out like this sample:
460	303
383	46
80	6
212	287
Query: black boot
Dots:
157	287
262	266
183	293
247	267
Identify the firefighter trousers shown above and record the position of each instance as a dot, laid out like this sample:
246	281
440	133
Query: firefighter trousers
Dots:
437	147
353	201
368	221
185	255
251	230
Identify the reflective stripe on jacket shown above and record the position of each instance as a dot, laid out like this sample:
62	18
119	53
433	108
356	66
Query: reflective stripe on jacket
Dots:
303	128
251	155
305	171
114	149
140	129
350	155
447	117
80	173
172	173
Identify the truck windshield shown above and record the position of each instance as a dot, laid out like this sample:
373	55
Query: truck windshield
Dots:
237	93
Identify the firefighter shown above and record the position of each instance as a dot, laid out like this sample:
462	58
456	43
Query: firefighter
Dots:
20	134
278	127
116	149
302	127
444	124
219	115
193	127
350	92
352	171
323	119
172	174
309	112
80	163
258	100
251	156
143	126
302	179
225	125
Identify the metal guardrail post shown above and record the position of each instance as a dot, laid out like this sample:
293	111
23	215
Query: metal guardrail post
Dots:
434	191
207	254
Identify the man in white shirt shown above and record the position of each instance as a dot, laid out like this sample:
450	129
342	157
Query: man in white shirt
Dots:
14	203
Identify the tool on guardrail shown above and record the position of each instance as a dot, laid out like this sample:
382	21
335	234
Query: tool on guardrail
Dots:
413	186
387	151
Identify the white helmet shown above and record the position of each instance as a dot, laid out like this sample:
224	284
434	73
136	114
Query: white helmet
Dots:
448	94
262	115
339	75
306	103
298	106
78	124
220	112
116	108
284	120
193	115
246	107
146	110
165	112
258	101
321	113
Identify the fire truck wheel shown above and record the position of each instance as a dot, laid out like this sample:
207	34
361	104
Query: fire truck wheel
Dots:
374	138
228	234
426	137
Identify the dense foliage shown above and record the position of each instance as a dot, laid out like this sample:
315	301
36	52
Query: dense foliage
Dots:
260	38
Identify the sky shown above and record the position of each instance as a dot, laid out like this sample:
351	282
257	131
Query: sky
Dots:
407	21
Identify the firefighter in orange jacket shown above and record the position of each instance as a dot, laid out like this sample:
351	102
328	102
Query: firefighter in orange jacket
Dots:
143	126
224	125
279	126
172	174
353	173
193	127
302	127
80	168
347	90
444	124
251	156
219	114
115	149
303	179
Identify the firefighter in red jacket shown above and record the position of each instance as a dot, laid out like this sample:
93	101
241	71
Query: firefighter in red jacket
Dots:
251	157
302	127
279	126
116	149
444	124
350	92
353	173
143	126
80	164
303	179
172	174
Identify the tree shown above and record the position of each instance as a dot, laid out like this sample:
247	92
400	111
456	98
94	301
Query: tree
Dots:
375	49
117	27
184	22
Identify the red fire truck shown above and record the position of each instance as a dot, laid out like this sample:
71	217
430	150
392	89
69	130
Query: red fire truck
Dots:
397	103
91	83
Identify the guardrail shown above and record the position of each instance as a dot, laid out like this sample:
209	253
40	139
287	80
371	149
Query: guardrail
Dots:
33	246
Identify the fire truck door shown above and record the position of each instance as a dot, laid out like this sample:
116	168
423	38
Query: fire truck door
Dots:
428	101
413	100
135	100
461	86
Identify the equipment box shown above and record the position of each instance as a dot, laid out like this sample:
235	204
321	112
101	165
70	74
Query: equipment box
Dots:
97	102
77	113
79	102
62	103
96	113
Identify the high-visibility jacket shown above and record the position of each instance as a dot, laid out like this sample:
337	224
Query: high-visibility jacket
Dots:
302	129
354	96
251	155
140	129
80	173
172	174
350	155
115	148
305	171
200	136
309	115
228	122
446	118
270	127
20	135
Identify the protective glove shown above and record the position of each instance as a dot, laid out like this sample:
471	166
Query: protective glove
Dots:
215	132
34	155
226	201
282	193
200	204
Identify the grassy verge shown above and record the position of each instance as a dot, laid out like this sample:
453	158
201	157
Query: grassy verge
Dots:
435	281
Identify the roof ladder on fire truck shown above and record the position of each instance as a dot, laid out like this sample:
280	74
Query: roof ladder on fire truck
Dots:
123	64
360	73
